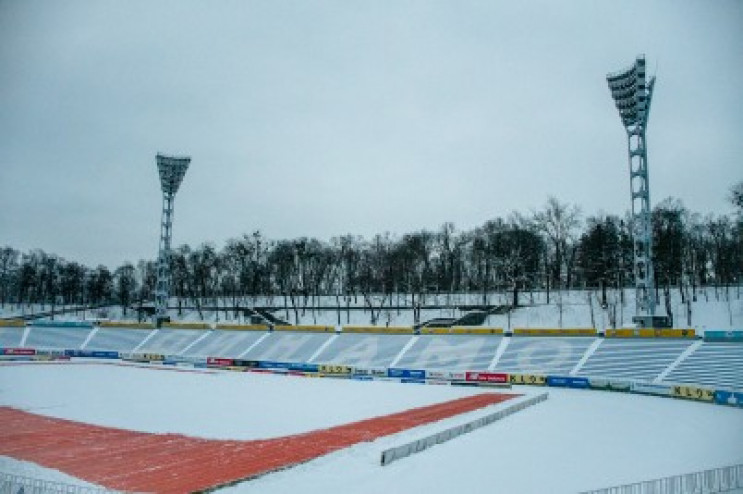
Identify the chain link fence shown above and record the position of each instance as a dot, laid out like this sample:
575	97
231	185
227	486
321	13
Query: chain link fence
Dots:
723	479
18	484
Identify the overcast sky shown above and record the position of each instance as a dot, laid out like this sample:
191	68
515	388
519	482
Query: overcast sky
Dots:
321	118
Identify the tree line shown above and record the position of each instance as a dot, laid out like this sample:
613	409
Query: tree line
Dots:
552	250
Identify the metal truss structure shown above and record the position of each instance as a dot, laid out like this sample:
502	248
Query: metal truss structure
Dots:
632	95
171	170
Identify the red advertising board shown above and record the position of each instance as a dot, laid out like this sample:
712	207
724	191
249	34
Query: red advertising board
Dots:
20	351
487	377
222	362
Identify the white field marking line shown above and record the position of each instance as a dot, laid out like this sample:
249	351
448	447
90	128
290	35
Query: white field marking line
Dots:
90	337
152	333
26	332
589	352
255	344
322	348
404	350
499	352
686	353
188	347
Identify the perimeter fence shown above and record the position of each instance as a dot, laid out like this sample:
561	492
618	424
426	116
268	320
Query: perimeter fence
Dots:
18	484
723	479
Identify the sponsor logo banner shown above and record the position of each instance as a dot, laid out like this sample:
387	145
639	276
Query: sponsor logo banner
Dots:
723	335
652	389
334	369
729	398
269	364
694	393
245	363
567	382
406	373
530	379
362	377
219	362
19	351
304	367
412	381
487	377
91	354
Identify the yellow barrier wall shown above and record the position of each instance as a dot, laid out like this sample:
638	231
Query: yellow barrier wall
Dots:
13	323
299	327
555	331
379	329
435	330
186	325
126	325
243	327
650	333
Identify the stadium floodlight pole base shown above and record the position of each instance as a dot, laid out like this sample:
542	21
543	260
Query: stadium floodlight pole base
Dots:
633	96
172	170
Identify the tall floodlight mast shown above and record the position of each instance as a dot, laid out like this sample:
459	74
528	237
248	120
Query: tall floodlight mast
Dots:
172	170
632	95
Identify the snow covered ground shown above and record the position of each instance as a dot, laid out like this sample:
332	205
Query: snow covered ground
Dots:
576	440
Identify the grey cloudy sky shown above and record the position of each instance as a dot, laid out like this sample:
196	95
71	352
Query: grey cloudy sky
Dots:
320	118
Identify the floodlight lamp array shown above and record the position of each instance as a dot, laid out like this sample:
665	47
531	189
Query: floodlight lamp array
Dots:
631	93
172	170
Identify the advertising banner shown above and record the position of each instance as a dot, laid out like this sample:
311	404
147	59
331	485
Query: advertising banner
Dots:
219	362
651	389
19	351
694	393
92	354
270	364
723	335
528	379
413	381
335	369
245	363
487	377
729	398
304	367
406	373
567	382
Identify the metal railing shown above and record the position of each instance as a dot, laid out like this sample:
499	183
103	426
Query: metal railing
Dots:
18	484
708	481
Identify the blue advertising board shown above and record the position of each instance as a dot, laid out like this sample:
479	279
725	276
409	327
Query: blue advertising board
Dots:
567	382
270	364
406	373
362	377
729	398
716	335
304	367
412	381
62	324
91	354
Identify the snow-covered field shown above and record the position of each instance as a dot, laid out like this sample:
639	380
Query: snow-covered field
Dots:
574	441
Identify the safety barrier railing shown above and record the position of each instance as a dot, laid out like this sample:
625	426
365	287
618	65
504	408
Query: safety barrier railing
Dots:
18	484
715	480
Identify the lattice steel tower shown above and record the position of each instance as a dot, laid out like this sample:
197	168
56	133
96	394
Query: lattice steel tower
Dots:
632	95
172	170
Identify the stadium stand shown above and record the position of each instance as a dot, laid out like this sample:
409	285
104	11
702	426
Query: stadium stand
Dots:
368	350
543	355
57	338
230	344
633	358
170	341
451	352
11	336
120	340
287	347
714	364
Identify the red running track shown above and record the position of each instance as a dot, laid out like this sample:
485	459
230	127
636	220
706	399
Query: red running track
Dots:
173	463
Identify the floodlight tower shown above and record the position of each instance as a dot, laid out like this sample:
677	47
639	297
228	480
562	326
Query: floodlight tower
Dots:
632	95
172	170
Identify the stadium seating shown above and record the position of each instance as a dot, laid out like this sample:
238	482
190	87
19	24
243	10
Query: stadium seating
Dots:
120	340
713	364
170	341
229	344
633	359
543	355
57	338
367	350
451	352
11	336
